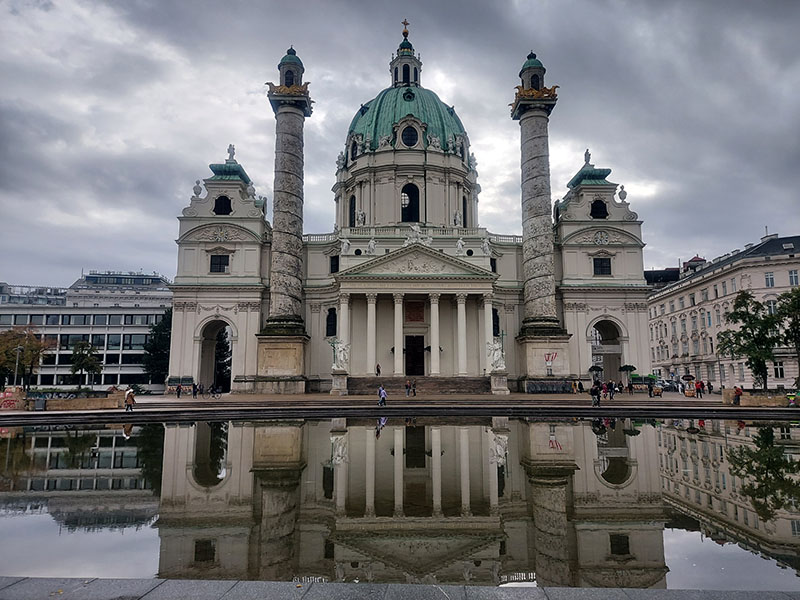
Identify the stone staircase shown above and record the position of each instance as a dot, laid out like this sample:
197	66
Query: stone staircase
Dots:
396	386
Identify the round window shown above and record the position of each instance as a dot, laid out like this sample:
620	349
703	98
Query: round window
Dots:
470	253
410	136
358	252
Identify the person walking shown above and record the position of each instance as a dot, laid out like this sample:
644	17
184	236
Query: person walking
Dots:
612	388
580	387
630	388
737	395
178	390
698	389
130	400
710	387
650	389
381	396
408	388
194	391
414	387
378	370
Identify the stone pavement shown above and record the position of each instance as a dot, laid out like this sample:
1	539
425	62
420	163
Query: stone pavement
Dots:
23	588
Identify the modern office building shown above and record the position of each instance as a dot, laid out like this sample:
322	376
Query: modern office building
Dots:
686	316
111	310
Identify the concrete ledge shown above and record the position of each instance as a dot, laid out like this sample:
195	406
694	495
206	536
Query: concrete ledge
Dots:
36	588
773	398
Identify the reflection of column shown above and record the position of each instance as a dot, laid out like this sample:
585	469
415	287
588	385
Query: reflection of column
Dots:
461	299
493	484
340	464
398	471
344	318
369	510
488	329
436	469
371	299
464	451
435	368
398	334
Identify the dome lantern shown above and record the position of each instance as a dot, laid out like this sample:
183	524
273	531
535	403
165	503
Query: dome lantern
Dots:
291	69
532	73
405	67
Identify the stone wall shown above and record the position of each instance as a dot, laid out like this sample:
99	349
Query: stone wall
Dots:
770	398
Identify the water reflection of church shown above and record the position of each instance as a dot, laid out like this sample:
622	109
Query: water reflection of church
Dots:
485	501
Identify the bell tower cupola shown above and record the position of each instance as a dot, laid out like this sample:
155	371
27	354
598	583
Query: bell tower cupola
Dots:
405	67
291	69
532	73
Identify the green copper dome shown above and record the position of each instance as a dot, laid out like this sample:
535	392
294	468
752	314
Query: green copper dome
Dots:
376	118
291	58
532	62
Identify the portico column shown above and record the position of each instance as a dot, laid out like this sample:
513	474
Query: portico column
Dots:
398	334
488	329
344	318
371	299
398	471
461	299
436	469
464	453
370	474
435	368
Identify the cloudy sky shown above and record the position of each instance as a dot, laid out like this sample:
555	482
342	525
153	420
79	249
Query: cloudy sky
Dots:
110	110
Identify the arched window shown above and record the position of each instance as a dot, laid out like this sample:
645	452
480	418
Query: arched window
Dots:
409	203
351	212
599	210
406	74
415	74
289	79
222	206
535	82
353	150
463	211
395	74
495	322
330	323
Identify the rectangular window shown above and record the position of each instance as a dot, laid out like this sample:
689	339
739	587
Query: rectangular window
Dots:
662	308
708	315
114	341
695	347
793	278
334	264
717	317
674	328
772	306
220	263
115	319
704	294
741	371
672	306
683	325
100	319
137	319
98	341
133	341
681	302
694	323
602	266
52	319
724	288
716	291
769	279
132	359
620	544
20	319
493	264
733	284
112	359
37	319
691	300
778	369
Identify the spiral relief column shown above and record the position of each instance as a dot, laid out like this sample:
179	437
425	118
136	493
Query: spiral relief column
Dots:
281	362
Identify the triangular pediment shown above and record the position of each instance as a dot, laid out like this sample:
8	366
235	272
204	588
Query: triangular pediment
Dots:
417	553
416	261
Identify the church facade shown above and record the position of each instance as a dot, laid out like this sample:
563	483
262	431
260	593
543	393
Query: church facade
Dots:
408	285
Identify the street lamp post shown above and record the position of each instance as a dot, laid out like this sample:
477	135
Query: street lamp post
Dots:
18	349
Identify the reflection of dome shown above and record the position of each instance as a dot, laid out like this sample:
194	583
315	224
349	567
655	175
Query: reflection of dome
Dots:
376	118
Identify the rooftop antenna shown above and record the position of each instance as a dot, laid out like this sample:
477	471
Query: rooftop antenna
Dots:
766	229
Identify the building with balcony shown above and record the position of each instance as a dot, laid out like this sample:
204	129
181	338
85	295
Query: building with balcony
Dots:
686	316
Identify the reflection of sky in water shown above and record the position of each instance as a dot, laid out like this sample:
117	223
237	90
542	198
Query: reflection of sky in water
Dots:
703	564
37	546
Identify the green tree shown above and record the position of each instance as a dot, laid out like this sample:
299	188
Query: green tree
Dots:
33	347
755	338
768	477
222	361
150	450
156	349
85	360
789	316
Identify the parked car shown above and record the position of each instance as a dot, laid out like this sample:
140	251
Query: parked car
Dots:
668	386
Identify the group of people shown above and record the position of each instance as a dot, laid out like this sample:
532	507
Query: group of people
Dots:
606	389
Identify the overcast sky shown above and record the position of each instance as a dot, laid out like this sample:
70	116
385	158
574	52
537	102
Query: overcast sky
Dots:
109	111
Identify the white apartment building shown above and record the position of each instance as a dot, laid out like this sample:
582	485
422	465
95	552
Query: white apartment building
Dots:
687	316
111	310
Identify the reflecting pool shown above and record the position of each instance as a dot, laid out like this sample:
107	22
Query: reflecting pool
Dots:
484	501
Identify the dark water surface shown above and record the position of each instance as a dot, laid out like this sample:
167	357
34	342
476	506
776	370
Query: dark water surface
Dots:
594	503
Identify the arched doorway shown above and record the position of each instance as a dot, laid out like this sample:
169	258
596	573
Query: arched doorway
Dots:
210	450
215	356
606	349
